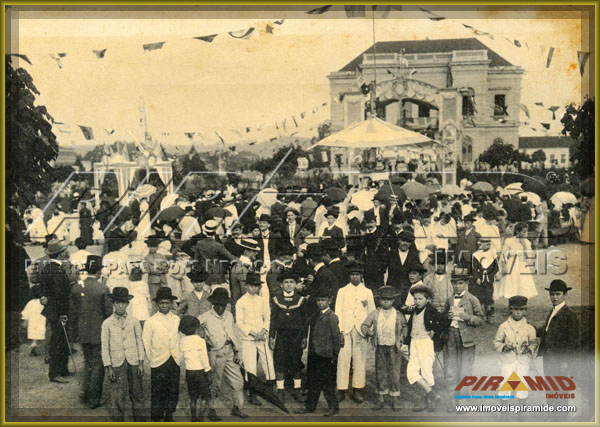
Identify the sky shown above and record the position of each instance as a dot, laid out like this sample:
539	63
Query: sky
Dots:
193	86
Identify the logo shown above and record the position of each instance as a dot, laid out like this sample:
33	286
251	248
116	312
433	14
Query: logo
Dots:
514	383
559	387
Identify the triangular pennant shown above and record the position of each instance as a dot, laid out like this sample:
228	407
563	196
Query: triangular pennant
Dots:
190	135
269	29
355	11
57	59
546	125
553	109
248	130
23	57
100	53
517	43
319	10
582	58
541	104
323	104
525	109
87	131
302	115
242	34
207	39
549	59
109	131
279	22
432	15
295	122
62	55
153	46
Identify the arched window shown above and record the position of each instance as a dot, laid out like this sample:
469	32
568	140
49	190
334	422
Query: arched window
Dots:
467	149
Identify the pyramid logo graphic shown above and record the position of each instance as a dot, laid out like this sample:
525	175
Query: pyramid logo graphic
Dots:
514	383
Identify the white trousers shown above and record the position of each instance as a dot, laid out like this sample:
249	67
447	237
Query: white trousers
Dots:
420	361
521	369
253	350
354	351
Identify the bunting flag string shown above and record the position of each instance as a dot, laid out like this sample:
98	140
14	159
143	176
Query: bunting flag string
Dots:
553	109
431	15
87	131
153	46
207	39
100	53
582	58
242	34
23	57
319	10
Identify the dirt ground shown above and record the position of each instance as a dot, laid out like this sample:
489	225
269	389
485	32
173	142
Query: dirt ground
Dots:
31	397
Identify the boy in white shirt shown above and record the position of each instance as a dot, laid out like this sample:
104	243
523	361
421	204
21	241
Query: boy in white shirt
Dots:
161	341
353	304
193	350
253	319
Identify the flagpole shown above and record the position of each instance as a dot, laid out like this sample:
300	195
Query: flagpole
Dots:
374	88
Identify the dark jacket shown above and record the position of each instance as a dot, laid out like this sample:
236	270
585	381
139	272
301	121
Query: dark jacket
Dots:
92	306
373	252
434	321
323	279
272	242
287	314
339	271
471	306
56	282
398	272
562	338
325	338
214	257
296	239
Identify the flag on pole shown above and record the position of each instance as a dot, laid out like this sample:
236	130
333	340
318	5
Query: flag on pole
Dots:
207	39
87	131
26	59
319	10
153	46
582	58
99	53
431	15
553	109
242	34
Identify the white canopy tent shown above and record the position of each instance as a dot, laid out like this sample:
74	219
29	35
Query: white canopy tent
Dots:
124	171
373	133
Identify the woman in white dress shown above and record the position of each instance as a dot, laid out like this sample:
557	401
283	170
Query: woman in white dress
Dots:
143	228
38	230
518	277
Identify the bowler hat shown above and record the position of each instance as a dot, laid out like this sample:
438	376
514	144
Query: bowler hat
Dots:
355	267
93	264
406	236
314	250
333	211
558	285
322	292
264	217
386	292
288	274
198	274
460	273
253	279
55	247
120	294
421	289
220	296
517	301
329	245
416	266
163	293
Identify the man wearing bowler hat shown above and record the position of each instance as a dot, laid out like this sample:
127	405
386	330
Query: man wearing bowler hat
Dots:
320	278
196	302
560	335
56	280
399	258
91	306
161	342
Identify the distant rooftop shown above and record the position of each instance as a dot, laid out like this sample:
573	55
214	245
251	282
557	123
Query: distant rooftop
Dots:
429	46
528	142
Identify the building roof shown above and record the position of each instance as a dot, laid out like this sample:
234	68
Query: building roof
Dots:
429	46
529	142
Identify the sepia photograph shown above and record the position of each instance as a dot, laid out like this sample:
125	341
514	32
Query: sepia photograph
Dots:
299	213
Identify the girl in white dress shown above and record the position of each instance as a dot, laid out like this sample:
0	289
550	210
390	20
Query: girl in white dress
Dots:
518	278
36	322
140	304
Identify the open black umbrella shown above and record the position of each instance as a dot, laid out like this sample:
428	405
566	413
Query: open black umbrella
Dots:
335	194
171	213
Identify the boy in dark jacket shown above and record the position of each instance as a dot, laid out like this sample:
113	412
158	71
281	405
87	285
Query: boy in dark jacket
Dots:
323	348
288	316
425	327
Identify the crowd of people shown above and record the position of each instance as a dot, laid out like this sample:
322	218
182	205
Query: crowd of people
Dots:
295	292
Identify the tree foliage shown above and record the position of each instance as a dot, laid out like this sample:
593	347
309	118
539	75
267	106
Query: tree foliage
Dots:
578	123
539	156
500	154
287	168
30	143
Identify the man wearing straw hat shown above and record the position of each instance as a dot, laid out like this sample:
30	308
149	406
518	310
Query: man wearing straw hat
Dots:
56	281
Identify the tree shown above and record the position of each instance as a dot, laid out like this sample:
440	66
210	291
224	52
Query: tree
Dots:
578	123
287	168
539	157
30	143
501	154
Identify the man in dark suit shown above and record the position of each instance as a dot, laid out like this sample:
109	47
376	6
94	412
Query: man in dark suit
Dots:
56	279
86	221
92	305
267	239
212	255
291	228
118	233
560	335
334	263
321	278
373	252
398	262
